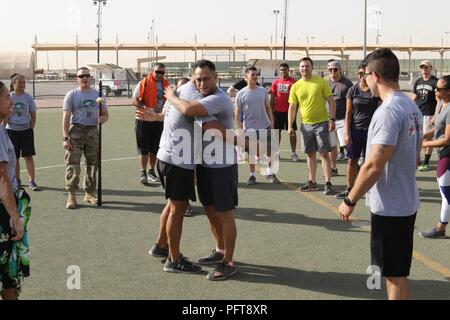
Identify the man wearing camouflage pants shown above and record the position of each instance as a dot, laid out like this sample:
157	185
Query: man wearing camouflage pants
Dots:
80	135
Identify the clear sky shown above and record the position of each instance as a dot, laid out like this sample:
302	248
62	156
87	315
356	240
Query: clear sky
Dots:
322	21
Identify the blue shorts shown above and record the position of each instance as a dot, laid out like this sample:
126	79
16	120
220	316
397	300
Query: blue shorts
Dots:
358	145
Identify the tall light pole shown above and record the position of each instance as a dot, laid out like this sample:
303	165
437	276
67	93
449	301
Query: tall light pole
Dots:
276	13
100	4
378	13
285	28
365	30
245	52
149	53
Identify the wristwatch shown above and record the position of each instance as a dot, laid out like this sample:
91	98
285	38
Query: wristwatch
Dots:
332	119
66	139
348	202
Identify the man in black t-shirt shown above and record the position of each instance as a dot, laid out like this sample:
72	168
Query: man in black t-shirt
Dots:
425	98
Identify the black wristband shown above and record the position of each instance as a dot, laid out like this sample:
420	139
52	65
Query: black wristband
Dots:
348	202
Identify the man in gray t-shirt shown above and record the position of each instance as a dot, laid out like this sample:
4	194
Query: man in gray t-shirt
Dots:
389	174
80	136
254	104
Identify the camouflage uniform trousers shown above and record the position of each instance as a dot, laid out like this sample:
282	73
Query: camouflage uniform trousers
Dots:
85	140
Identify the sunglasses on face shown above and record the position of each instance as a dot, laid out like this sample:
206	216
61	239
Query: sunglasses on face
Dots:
361	74
424	67
367	74
84	76
333	70
160	72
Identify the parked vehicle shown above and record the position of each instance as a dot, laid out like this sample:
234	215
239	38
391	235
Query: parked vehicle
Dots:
115	80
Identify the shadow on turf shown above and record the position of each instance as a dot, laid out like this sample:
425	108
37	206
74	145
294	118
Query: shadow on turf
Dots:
271	216
341	284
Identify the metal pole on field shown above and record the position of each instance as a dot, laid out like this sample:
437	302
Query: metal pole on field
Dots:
285	28
99	3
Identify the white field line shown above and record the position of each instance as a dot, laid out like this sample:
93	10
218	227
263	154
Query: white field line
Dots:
63	165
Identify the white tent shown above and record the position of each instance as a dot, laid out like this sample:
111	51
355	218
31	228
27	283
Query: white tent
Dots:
16	62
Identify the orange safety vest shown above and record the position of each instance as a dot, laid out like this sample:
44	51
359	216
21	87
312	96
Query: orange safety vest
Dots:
148	92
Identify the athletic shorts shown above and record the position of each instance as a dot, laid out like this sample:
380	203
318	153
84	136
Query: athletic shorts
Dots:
23	142
427	124
391	244
148	136
337	136
218	187
358	146
177	182
315	137
281	121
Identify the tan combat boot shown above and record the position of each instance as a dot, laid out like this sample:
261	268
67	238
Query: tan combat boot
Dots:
90	198
71	201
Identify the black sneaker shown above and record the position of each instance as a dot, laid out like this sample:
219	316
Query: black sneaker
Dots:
223	271
152	176
158	252
189	211
214	258
143	177
181	266
251	181
343	194
328	190
334	172
309	186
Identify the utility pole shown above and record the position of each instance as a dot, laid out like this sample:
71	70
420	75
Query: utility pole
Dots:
285	28
100	4
276	13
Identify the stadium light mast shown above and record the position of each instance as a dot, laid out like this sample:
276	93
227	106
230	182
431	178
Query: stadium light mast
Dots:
276	13
100	4
365	29
285	28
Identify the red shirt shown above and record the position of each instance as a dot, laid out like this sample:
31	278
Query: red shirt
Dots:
281	88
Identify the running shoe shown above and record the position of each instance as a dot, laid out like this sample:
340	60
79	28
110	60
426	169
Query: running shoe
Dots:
152	176
223	271
158	252
189	211
424	167
251	181
183	265
341	156
309	186
334	172
294	157
34	186
328	190
143	177
343	194
213	258
272	178
433	234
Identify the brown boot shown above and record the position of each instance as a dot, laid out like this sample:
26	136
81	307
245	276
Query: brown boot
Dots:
71	201
90	198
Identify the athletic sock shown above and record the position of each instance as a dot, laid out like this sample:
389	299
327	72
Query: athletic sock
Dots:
252	174
220	251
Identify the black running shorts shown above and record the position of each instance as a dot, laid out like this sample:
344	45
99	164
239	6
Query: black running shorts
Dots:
148	135
23	142
177	182
218	187
391	244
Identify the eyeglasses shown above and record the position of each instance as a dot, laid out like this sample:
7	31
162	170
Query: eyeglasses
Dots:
333	69
84	76
367	74
440	89
160	72
361	74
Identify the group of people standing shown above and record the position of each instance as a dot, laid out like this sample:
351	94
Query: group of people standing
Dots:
372	119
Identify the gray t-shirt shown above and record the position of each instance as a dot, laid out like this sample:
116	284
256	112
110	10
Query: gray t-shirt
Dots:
20	118
160	88
217	153
441	120
7	154
397	122
177	139
340	89
251	103
83	105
